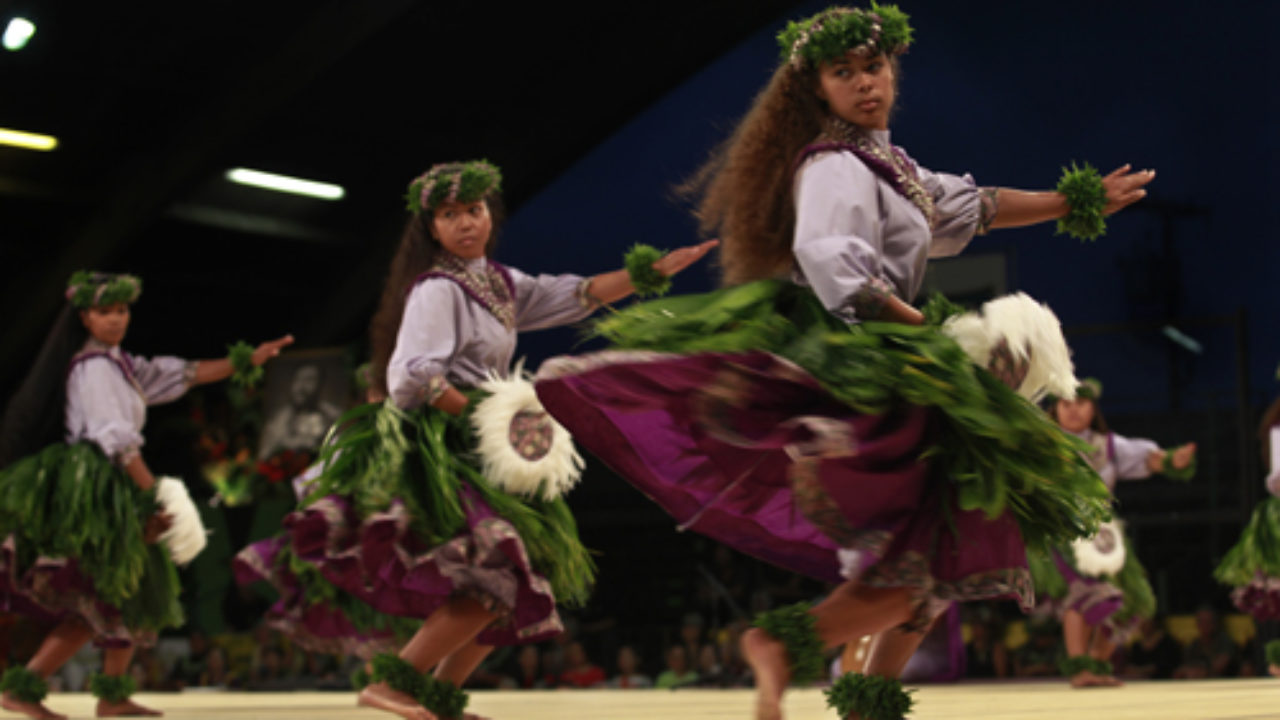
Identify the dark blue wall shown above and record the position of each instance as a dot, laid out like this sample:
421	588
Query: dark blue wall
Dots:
1010	91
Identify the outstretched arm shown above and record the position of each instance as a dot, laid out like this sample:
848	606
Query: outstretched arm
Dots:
613	286
208	371
1180	460
1018	208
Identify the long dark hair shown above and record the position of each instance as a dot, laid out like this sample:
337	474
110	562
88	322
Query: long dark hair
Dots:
418	251
743	193
34	417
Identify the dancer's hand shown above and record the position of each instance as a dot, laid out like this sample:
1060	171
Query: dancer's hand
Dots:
270	349
681	258
1125	188
1179	459
155	526
1183	456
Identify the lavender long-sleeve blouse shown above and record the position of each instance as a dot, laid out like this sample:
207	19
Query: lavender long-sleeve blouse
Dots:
854	229
447	337
1273	478
108	391
1116	457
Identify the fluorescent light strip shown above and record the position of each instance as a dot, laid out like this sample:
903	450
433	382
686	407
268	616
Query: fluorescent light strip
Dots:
30	141
286	184
17	33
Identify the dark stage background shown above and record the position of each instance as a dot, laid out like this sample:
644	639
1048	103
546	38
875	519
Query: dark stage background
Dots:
593	116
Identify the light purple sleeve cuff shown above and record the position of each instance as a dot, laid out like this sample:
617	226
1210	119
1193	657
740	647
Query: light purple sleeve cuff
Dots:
1131	456
1273	480
163	378
959	204
425	345
100	412
838	235
544	301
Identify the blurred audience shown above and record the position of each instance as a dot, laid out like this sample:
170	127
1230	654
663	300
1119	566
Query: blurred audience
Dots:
580	672
628	676
1154	655
1212	654
678	673
1040	655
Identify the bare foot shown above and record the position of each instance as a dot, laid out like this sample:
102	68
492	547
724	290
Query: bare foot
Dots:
30	709
125	708
382	697
1086	679
768	659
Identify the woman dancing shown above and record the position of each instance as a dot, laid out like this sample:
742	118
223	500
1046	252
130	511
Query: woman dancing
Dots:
81	518
1096	585
808	414
444	504
1252	565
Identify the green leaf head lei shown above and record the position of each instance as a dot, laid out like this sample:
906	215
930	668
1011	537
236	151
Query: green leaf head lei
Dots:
460	182
89	288
837	30
1088	389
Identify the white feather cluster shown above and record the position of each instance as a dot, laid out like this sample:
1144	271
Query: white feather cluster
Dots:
551	475
186	537
1104	553
1027	326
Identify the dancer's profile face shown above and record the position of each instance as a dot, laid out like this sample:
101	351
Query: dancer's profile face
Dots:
1075	415
859	89
106	323
463	228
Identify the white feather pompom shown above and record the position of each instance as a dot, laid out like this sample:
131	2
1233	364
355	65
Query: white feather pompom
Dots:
1028	327
1104	553
186	537
551	469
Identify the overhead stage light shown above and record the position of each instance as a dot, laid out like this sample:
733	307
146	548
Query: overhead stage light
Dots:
17	33
286	184
30	141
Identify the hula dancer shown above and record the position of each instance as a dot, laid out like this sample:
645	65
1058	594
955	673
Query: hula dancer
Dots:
1096	585
90	536
1252	566
443	505
807	414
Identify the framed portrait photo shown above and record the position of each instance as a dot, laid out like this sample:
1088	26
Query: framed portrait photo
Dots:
303	395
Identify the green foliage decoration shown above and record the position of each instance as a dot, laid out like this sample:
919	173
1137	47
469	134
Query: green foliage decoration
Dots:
1086	198
795	627
835	31
646	279
869	697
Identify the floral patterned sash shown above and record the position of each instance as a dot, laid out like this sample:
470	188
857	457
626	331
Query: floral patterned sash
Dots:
890	163
93	349
491	287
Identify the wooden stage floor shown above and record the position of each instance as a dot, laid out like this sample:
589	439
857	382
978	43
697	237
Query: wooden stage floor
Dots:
1186	700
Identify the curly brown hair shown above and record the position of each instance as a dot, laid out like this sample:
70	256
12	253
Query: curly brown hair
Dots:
743	193
418	251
